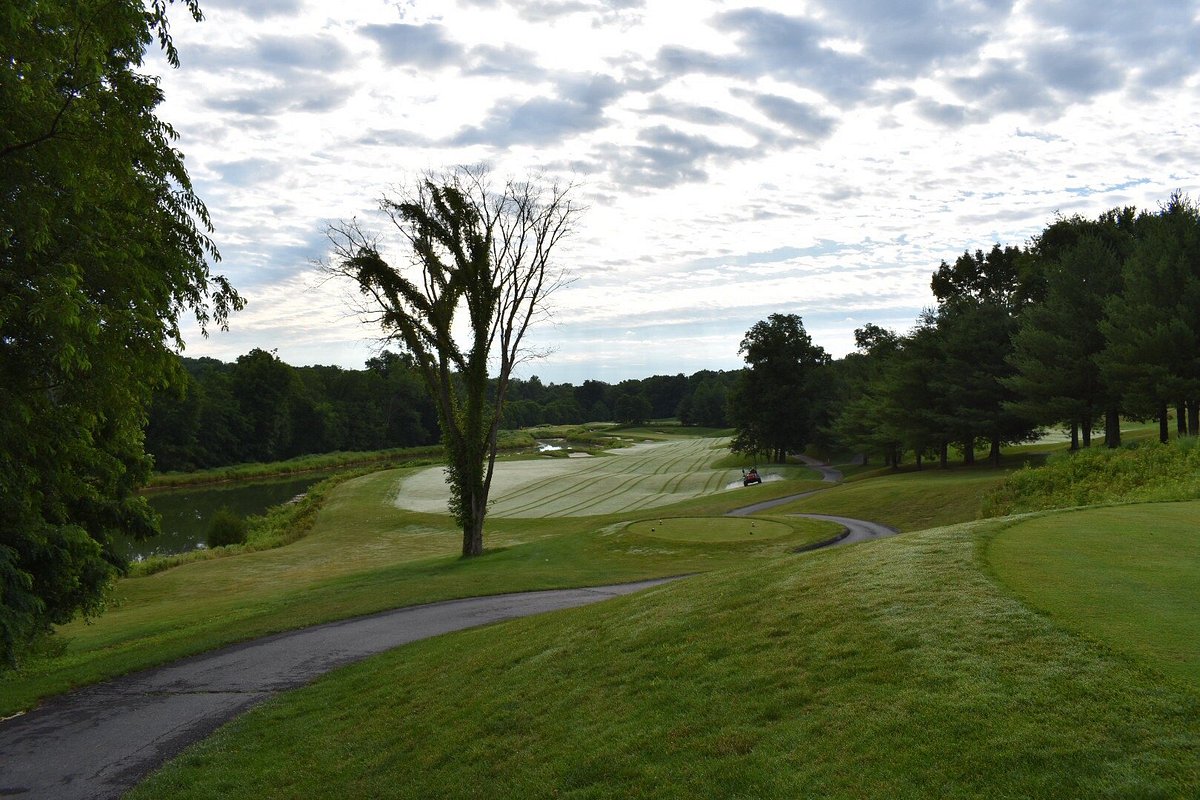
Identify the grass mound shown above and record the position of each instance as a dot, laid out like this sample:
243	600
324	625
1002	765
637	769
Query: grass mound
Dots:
711	529
1126	575
1147	472
898	670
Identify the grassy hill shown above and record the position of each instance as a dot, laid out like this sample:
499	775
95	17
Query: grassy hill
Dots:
1050	654
895	669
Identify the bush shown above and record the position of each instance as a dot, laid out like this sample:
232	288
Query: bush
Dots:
1148	472
226	528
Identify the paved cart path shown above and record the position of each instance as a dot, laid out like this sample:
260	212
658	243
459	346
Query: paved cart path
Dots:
855	530
101	741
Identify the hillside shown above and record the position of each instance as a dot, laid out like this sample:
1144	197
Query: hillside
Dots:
899	669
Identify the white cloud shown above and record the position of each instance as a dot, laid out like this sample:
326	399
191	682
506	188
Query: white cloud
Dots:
818	158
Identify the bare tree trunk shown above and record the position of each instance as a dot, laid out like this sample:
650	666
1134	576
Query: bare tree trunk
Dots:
1074	436
1164	425
1181	424
994	455
969	453
944	456
1087	432
1194	417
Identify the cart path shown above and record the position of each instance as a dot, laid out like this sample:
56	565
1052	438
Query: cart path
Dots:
101	741
855	530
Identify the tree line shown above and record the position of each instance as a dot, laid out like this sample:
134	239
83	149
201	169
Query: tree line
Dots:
1095	320
259	408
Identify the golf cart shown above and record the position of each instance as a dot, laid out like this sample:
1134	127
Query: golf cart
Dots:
750	477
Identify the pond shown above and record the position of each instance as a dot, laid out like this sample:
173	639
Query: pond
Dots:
186	512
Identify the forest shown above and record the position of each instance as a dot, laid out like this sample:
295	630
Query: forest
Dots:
259	408
1091	322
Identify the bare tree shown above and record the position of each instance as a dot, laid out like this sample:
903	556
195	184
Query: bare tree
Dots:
478	276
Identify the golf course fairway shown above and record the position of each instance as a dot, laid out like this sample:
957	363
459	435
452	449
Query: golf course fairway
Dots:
646	475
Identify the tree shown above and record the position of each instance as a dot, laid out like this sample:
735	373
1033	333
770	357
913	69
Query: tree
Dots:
265	389
480	274
909	408
1059	340
632	408
859	423
707	404
772	405
103	246
1153	326
980	298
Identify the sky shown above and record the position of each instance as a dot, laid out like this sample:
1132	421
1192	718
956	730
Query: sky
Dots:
735	160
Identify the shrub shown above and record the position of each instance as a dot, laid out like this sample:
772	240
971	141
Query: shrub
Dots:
1142	473
226	528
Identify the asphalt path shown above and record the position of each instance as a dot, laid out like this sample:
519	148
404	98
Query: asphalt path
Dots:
853	530
99	742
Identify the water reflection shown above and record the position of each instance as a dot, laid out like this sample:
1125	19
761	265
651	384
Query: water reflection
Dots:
186	512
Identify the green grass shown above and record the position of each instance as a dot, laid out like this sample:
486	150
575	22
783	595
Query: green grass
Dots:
364	555
898	669
1127	576
648	475
723	529
908	501
311	463
1146	472
960	661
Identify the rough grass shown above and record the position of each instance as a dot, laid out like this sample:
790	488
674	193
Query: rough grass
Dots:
1145	472
898	669
908	501
364	555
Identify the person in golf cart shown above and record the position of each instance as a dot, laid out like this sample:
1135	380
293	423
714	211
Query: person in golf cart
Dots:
750	477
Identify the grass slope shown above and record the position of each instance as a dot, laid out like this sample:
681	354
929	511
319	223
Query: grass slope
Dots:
1128	576
1145	472
908	501
364	555
899	669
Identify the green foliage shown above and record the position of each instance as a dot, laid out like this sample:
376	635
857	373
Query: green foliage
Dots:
103	245
1057	348
261	409
225	528
1140	473
773	405
1152	328
632	409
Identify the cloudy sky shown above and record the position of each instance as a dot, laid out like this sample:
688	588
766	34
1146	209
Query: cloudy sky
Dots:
818	158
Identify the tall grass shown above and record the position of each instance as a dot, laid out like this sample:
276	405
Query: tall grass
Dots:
1143	472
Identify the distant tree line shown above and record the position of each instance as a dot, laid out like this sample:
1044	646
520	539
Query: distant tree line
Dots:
259	408
1094	321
